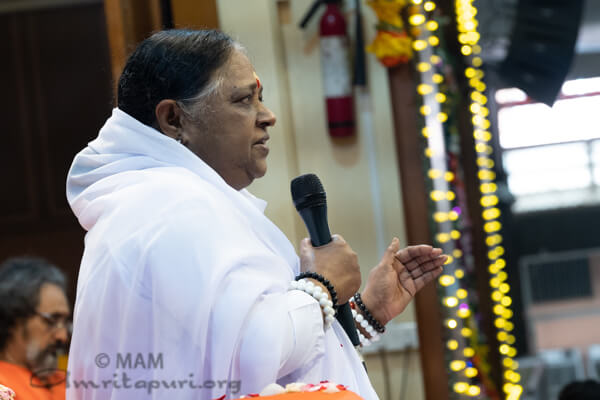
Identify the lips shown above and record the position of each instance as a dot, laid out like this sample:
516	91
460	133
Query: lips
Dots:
263	140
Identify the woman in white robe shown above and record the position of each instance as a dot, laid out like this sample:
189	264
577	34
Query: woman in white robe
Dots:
184	283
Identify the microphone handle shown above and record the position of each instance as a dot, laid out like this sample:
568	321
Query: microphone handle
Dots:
315	219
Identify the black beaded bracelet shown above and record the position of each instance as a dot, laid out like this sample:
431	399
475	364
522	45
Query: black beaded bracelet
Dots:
367	314
325	282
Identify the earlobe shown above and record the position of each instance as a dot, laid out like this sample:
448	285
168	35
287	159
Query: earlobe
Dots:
168	118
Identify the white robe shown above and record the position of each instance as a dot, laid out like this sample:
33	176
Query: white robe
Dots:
184	281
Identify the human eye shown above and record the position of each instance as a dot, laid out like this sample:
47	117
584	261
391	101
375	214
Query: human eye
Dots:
247	99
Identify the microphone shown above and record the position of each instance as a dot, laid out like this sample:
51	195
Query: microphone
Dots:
311	202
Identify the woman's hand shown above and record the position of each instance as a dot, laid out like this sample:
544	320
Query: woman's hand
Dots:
398	277
335	261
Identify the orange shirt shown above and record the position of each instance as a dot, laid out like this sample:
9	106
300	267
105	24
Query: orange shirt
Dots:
25	387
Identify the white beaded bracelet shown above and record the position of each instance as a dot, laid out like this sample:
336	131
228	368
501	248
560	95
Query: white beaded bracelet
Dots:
323	298
374	336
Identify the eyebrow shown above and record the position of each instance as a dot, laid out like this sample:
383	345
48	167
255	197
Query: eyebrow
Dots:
252	86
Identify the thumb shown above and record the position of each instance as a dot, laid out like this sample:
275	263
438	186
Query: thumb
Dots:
392	249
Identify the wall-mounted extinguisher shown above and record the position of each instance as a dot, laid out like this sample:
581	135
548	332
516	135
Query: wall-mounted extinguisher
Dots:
335	67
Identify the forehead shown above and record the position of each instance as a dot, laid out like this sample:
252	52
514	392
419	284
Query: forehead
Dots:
238	71
53	299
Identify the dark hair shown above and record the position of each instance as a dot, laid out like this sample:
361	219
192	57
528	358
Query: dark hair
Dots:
174	64
21	279
581	390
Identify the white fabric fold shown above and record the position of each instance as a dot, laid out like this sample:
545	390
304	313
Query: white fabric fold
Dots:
182	268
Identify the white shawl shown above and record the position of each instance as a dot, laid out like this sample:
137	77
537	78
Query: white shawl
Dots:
184	281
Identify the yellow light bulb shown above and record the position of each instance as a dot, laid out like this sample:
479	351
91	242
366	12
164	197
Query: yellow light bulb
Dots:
493	226
442	237
429	152
449	260
416	19
475	107
512	352
451	301
508	362
463	313
471	372
489	200
434	174
425	110
507	314
431	25
429	6
440	97
454	234
457	253
437	195
468	352
435	59
446	280
473	390
490	213
509	326
461	293
419	44
506	301
450	195
433	40
460	387
425	132
470	72
453	215
423	67
498	309
452	344
496	295
466	50
440	216
466	332
424	89
477	61
499	323
457	365
451	323
437	78
504	288
502	336
442	117
459	273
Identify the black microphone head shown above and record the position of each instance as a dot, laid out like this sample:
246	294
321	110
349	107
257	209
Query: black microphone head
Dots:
307	191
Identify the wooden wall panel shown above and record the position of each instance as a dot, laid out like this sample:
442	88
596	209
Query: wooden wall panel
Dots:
56	84
195	14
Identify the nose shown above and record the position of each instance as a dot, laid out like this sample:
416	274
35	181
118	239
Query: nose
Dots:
62	334
265	117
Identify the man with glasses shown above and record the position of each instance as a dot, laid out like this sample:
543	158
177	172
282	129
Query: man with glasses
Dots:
34	328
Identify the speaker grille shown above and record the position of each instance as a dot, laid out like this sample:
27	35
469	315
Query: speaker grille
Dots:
560	280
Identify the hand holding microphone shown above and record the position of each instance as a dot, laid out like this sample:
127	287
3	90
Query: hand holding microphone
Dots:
332	258
337	262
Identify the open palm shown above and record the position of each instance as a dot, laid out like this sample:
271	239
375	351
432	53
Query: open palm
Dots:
398	277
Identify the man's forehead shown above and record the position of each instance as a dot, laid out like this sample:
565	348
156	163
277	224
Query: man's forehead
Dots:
53	299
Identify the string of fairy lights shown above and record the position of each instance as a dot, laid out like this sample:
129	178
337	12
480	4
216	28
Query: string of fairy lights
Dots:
446	214
468	38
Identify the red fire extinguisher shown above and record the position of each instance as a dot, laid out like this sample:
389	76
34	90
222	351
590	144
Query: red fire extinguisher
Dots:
335	68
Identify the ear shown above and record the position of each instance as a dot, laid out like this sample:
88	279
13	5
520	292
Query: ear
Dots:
169	118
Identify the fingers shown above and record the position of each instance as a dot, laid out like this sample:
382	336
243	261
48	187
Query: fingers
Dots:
408	253
427	277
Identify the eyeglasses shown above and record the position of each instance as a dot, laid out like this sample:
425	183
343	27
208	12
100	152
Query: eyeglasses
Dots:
56	321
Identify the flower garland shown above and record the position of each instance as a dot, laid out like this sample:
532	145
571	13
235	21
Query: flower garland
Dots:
392	46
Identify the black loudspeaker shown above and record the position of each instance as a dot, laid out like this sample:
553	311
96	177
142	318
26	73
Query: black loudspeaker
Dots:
542	46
